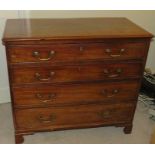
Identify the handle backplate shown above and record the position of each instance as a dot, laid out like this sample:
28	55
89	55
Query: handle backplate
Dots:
39	78
109	52
47	119
45	97
36	54
113	75
110	94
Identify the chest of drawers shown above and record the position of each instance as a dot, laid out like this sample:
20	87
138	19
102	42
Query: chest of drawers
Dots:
74	73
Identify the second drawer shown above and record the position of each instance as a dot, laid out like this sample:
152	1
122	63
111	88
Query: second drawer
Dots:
31	96
54	74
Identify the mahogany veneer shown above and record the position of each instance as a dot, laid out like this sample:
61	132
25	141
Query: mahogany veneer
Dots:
74	73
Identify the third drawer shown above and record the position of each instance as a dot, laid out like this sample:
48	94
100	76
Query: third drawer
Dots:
56	95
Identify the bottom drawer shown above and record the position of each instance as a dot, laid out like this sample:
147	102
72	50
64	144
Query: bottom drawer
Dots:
73	116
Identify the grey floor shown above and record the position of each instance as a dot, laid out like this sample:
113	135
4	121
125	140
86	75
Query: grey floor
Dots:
142	129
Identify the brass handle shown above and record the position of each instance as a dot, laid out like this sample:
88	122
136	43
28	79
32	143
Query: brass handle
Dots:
38	76
48	119
109	51
118	72
37	55
104	114
49	97
114	92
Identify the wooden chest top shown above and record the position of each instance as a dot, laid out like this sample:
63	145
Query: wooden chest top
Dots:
84	28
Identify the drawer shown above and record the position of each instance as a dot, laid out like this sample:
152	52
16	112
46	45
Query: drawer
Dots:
91	72
73	116
76	52
31	96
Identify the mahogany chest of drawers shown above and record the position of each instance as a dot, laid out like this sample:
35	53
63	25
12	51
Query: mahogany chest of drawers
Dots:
74	73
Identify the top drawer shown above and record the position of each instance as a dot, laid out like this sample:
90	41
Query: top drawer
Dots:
75	52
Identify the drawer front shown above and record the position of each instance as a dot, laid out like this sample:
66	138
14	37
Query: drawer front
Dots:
74	93
76	52
72	116
90	72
